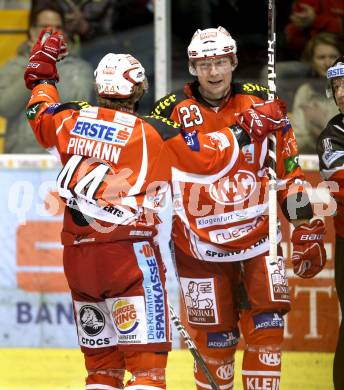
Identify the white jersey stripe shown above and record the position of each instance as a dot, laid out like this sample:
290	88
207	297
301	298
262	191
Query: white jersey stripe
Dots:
136	188
261	373
228	386
101	387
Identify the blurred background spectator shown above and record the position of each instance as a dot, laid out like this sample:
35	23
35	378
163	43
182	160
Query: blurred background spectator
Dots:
86	19
311	108
308	18
117	26
245	21
76	75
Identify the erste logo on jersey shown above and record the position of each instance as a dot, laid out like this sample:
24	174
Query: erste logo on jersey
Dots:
234	190
125	316
99	130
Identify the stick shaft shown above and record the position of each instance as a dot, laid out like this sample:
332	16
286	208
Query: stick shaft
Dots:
272	137
193	349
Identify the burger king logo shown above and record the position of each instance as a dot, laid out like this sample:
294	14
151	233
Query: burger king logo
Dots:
125	316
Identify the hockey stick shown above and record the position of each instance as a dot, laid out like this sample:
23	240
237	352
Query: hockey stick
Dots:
193	349
272	137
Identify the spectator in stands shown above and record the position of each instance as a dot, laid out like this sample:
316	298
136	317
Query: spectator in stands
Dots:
118	26
309	17
311	108
76	75
87	20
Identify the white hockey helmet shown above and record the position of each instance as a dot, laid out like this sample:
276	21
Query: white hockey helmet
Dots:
117	74
211	42
335	71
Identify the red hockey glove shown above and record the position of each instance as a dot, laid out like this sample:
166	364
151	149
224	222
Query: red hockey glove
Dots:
263	118
309	256
49	48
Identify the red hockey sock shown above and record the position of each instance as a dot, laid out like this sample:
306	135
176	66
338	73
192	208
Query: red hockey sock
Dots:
263	334
148	370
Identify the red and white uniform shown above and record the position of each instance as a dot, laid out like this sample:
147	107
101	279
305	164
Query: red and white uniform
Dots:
115	172
220	232
113	158
232	223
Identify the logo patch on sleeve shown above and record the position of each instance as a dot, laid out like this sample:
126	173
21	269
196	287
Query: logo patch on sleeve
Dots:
32	111
51	109
291	163
223	339
268	321
191	140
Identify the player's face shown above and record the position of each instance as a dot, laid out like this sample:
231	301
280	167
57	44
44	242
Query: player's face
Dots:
214	76
323	57
338	89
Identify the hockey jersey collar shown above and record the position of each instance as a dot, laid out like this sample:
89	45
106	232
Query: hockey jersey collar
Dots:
191	90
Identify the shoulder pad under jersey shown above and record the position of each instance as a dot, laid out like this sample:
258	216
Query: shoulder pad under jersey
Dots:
76	105
165	105
252	89
167	128
333	129
330	145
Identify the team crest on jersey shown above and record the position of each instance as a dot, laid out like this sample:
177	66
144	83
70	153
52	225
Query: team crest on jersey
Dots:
200	300
92	320
230	191
125	316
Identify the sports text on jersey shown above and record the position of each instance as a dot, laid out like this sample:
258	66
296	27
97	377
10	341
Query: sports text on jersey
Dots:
164	103
113	133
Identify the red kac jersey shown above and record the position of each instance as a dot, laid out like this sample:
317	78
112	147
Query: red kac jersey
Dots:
227	219
116	165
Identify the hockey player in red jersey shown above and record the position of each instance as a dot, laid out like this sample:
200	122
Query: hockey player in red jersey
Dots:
220	231
114	177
